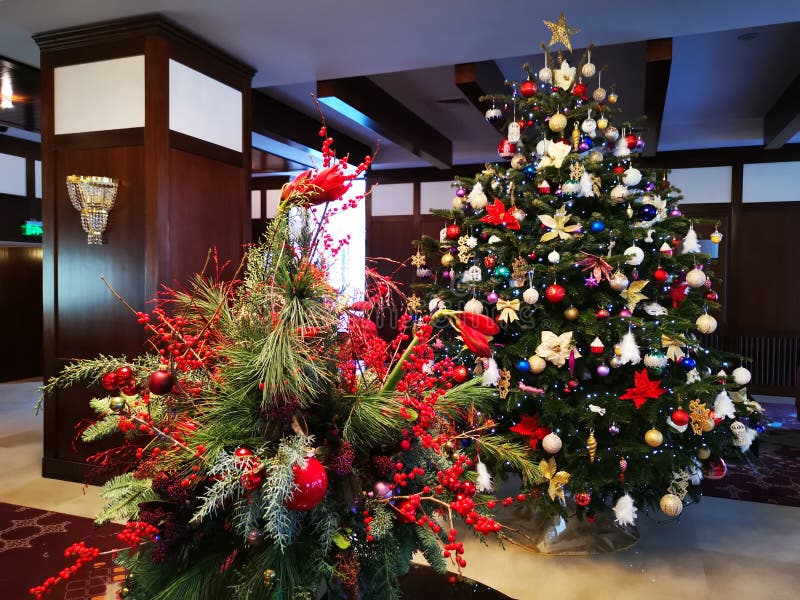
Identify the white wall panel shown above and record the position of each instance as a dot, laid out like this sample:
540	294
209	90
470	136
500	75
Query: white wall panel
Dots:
96	96
12	175
37	178
771	182
204	108
255	204
393	199
273	199
436	194
703	185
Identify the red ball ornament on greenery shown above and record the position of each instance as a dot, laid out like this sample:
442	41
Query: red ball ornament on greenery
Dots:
489	262
602	313
453	231
618	170
631	140
527	88
311	482
660	275
579	89
506	149
124	374
555	293
161	382
680	417
712	295
460	374
109	381
583	498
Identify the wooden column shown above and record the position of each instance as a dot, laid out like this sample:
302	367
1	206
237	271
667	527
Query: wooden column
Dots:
184	187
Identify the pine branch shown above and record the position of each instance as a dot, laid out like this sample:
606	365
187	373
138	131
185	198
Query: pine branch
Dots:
501	450
124	493
373	419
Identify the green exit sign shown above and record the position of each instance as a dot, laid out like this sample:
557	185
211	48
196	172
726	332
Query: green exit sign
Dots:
32	229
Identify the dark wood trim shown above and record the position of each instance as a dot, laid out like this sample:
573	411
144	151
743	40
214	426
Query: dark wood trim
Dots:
66	470
477	79
388	117
369	184
718	157
656	82
194	145
417	204
782	121
423	174
268	183
108	50
134	28
30	178
109	138
246	159
20	147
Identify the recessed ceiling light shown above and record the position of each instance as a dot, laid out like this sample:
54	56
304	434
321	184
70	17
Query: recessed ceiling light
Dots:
746	37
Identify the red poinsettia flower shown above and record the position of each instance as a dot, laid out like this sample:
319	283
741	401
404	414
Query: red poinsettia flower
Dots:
529	426
317	187
496	214
643	389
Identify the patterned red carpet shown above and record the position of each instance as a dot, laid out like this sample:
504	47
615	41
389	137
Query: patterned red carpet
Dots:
31	549
774	478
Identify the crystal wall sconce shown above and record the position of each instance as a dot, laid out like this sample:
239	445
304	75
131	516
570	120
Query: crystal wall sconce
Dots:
93	197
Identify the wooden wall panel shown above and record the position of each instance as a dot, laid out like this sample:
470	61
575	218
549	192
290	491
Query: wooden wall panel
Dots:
197	181
21	307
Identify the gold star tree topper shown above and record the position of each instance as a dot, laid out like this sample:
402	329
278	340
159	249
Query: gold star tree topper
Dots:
561	32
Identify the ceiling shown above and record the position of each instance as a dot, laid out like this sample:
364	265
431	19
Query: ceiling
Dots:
720	86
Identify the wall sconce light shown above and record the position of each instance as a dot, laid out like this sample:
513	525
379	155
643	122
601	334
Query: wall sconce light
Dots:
6	92
93	197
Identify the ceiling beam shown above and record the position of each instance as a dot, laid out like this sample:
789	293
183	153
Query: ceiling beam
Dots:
658	54
478	79
363	101
782	121
298	132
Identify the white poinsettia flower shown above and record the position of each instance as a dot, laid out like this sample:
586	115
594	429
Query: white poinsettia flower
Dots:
556	348
564	76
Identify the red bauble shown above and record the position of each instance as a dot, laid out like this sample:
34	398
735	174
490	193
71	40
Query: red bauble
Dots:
602	313
109	381
251	481
489	262
715	468
618	170
712	295
124	374
544	188
527	88
631	140
311	482
452	231
579	89
460	374
583	498
506	149
680	417
129	390
660	275
555	293
161	382
532	256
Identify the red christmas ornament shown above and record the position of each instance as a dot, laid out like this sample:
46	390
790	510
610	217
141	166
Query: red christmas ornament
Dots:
460	374
660	275
602	313
124	374
109	381
618	170
555	293
532	256
129	390
311	482
489	262
527	88
506	149
161	382
251	481
544	188
579	89
583	498
715	468
680	417
452	231
712	295
631	140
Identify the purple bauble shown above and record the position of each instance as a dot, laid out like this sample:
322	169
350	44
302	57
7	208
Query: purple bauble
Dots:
675	212
461	192
613	430
445	274
625	313
584	144
649	186
383	489
492	297
603	370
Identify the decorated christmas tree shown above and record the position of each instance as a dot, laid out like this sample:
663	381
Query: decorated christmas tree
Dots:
273	446
602	294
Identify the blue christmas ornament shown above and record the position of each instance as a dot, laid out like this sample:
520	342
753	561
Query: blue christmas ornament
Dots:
523	366
530	170
647	212
688	363
502	271
597	226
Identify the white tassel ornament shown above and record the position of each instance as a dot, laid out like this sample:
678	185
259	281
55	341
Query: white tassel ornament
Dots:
723	406
629	350
625	511
690	243
484	481
491	375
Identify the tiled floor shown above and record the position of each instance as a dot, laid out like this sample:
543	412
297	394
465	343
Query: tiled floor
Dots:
718	550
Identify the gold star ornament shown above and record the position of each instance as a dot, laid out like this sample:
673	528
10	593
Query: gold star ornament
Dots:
561	32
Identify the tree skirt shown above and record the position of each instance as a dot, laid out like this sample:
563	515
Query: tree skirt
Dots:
774	478
32	544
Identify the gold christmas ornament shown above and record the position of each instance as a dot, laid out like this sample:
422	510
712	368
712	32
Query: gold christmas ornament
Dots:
703	453
613	97
458	203
599	95
537	364
618	281
653	438
571	313
602	122
474	306
561	32
716	237
448	260
671	505
706	324
269	578
591	446
557	122
699	417
116	404
708	425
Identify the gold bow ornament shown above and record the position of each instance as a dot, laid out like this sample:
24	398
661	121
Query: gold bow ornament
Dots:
508	310
673	346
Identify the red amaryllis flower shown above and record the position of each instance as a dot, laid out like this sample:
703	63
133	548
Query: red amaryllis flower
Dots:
482	323
474	340
317	187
